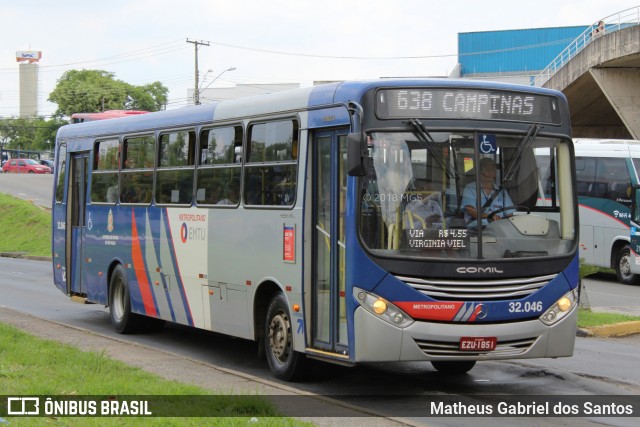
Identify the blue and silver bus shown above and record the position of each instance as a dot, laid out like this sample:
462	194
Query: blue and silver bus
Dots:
333	222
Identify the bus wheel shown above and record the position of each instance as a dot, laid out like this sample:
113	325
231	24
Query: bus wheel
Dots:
123	321
623	267
285	363
453	367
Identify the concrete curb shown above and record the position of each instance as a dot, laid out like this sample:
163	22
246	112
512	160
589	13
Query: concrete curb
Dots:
622	329
23	255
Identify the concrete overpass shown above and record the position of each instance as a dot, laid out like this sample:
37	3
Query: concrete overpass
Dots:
600	75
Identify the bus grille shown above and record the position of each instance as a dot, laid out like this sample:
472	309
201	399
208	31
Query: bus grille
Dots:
477	290
447	348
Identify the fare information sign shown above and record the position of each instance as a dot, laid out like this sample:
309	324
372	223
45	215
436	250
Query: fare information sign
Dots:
458	103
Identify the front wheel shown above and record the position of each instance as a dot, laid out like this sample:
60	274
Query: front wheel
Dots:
623	267
285	363
453	367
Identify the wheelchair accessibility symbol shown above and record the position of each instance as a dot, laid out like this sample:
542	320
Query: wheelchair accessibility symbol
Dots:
487	143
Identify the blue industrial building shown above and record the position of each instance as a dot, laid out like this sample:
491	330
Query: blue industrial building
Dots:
516	56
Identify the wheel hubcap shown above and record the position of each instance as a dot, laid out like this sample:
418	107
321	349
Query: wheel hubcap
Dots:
118	300
280	336
625	268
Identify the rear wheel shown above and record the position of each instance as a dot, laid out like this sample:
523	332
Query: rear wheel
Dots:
122	319
285	363
453	366
623	267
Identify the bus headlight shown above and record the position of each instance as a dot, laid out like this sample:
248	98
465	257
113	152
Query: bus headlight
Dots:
561	308
382	308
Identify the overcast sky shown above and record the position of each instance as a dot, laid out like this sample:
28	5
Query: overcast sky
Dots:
267	41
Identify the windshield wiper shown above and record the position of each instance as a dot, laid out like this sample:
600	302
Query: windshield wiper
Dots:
425	137
516	159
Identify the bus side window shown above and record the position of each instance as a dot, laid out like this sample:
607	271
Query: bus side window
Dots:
271	166
585	175
174	177
220	157
136	178
61	170
612	180
104	175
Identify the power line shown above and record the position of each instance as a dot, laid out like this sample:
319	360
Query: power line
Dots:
387	58
135	55
178	45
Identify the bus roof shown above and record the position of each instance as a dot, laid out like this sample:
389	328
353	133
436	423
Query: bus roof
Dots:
607	142
592	147
279	102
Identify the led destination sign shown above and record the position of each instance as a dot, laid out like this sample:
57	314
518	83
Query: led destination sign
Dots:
447	103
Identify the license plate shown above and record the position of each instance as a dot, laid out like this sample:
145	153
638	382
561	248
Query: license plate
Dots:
478	343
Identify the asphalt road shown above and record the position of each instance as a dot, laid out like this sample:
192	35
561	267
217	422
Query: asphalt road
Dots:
38	188
605	293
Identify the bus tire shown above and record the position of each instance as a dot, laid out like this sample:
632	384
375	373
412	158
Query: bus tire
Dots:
285	363
453	367
122	319
623	267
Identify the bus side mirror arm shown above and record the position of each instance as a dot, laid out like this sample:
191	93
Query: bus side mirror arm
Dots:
356	143
355	154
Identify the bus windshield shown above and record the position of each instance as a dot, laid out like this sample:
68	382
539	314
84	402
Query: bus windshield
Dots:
468	195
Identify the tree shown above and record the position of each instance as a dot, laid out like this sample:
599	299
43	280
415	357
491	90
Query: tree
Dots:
92	91
33	134
150	97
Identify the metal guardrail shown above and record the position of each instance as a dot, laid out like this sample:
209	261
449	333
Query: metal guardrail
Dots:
618	21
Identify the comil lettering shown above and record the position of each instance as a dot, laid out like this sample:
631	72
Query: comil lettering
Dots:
471	270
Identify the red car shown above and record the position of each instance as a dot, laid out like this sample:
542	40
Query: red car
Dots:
24	166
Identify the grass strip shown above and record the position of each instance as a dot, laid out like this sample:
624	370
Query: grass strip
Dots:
31	366
24	227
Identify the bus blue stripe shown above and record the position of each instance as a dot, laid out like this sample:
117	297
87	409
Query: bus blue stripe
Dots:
176	267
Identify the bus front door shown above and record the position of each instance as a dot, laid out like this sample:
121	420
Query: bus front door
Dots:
75	227
329	325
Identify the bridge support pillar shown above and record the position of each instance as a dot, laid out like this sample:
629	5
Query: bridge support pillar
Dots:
621	86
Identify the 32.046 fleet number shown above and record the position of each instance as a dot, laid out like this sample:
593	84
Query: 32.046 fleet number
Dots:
526	307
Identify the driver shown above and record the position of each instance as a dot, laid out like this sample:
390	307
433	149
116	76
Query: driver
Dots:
492	199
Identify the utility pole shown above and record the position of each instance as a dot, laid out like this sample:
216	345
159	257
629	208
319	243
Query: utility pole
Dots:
196	92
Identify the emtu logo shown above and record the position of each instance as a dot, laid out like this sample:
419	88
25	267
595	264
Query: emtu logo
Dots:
184	232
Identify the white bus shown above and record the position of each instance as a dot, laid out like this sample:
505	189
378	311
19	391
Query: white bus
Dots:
605	174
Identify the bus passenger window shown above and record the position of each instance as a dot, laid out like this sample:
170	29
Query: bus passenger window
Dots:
137	175
270	173
220	157
613	180
104	177
61	171
136	187
174	177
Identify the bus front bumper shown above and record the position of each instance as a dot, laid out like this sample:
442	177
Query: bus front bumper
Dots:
379	341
